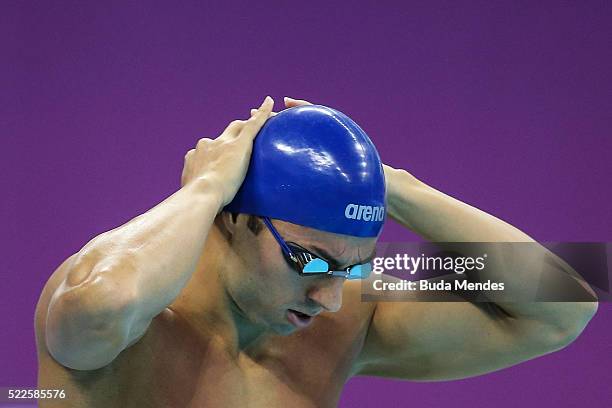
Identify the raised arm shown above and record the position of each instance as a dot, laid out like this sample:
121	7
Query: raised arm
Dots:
437	341
104	297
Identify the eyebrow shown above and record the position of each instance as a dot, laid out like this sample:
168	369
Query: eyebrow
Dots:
325	255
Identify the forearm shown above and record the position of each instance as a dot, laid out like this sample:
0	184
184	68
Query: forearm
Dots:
441	218
149	259
106	295
438	217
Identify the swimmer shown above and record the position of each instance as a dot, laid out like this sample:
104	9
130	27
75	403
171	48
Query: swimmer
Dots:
242	289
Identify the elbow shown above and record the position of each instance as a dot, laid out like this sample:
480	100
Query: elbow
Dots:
84	353
569	328
87	326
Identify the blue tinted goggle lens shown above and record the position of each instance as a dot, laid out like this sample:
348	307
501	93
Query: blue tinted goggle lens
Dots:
318	265
360	271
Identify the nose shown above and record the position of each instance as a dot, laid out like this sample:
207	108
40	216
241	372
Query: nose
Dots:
328	293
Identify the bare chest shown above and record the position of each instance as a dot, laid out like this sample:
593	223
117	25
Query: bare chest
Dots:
172	370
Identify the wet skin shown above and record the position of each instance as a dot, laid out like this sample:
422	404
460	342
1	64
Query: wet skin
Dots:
226	340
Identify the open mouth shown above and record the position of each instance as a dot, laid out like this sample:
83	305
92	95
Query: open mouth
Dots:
299	319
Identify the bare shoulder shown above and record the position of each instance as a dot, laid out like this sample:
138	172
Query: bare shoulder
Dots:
51	374
40	315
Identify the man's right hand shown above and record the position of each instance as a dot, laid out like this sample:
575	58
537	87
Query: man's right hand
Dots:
103	299
223	162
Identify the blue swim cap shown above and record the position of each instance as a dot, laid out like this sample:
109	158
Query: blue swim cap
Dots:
313	166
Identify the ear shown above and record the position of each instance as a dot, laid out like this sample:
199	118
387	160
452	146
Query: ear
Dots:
227	223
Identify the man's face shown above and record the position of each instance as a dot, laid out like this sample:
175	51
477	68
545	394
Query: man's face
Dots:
269	291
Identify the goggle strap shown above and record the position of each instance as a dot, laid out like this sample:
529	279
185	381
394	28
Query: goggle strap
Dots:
278	238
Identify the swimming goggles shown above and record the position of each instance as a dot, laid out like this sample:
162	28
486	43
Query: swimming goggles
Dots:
308	264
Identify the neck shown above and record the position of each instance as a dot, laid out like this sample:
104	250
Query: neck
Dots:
206	304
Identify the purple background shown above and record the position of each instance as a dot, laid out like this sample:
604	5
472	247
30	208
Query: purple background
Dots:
507	107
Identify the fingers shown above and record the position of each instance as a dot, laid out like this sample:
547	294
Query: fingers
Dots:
253	111
290	102
261	114
202	143
252	126
234	127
